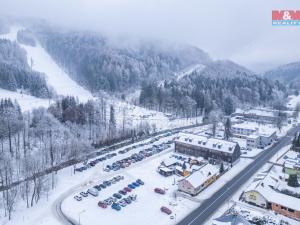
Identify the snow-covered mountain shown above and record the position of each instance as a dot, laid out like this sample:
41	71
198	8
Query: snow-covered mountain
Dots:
41	61
224	69
98	63
288	74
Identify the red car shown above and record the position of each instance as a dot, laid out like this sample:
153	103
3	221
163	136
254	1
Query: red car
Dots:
102	204
166	210
159	191
127	189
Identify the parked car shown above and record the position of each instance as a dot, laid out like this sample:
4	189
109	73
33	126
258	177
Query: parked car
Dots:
83	194
102	186
166	210
116	206
102	204
133	197
135	184
127	189
122	192
131	186
122	203
139	181
127	200
93	191
78	198
159	191
117	195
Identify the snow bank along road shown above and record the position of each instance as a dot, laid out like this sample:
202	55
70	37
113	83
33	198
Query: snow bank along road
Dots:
207	208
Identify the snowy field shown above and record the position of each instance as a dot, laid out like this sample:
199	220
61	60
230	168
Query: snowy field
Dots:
26	102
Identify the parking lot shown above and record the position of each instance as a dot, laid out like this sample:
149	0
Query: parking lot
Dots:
146	209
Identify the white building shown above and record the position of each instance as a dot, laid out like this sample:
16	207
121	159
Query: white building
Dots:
241	130
266	116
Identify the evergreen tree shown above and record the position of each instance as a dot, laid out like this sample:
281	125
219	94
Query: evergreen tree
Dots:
112	122
221	168
227	131
293	181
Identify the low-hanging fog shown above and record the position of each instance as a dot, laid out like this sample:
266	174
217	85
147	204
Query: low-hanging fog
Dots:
233	29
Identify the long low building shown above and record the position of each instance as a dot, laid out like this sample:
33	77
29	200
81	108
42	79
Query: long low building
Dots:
208	148
263	193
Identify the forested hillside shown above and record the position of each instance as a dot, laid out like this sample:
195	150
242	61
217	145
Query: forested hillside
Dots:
94	62
288	74
221	85
15	72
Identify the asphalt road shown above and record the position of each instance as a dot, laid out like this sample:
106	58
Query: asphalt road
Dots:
207	208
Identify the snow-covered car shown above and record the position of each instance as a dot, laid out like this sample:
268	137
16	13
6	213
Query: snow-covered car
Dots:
93	191
78	198
83	194
122	203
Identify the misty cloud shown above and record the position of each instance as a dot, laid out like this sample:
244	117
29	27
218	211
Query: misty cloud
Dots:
234	29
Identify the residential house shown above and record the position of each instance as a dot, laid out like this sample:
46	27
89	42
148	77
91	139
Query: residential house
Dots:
199	180
263	193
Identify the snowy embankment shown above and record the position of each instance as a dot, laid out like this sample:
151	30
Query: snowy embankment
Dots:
55	76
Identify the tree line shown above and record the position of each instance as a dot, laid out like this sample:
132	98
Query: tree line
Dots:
37	141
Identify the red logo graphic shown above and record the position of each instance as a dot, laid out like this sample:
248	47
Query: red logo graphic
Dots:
286	15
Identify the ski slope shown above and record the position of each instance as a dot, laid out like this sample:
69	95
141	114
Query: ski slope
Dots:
26	102
55	76
189	70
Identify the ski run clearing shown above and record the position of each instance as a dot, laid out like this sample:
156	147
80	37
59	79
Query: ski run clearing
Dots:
55	76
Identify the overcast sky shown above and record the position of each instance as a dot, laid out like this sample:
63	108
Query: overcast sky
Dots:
239	30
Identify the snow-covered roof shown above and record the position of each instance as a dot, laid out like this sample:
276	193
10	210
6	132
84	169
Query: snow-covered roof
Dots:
202	175
169	162
165	169
210	143
249	126
263	186
259	129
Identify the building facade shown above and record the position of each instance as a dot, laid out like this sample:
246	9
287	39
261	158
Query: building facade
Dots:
208	148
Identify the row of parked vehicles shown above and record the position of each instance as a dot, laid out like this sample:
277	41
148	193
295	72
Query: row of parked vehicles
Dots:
120	199
92	163
95	161
136	157
94	191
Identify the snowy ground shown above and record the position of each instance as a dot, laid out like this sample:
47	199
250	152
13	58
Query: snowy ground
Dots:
55	76
292	101
145	211
26	102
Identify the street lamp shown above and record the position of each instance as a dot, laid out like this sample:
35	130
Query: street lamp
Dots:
79	216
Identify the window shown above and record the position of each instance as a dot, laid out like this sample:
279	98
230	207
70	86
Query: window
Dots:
291	210
284	208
